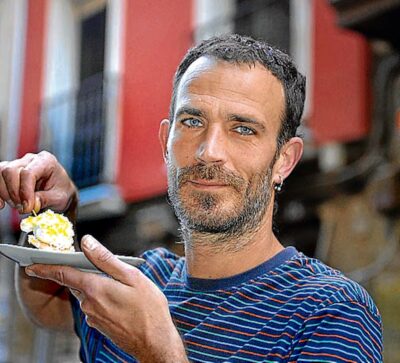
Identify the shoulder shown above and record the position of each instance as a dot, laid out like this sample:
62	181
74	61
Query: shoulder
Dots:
332	285
313	285
159	265
336	312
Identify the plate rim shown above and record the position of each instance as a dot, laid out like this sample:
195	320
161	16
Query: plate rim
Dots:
136	261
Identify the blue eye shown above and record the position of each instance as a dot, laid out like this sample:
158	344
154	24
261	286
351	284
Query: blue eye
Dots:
244	130
192	122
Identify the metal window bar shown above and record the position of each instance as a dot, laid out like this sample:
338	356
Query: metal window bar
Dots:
73	128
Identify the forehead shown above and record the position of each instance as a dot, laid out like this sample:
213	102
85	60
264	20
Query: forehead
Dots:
251	87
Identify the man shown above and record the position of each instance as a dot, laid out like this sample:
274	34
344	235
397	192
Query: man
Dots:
239	295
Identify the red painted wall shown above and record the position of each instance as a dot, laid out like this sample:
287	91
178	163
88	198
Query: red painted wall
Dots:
32	78
157	35
341	109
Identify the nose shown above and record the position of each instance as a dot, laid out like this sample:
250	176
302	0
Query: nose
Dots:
212	149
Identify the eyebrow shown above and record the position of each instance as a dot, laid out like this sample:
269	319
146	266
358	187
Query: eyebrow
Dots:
189	111
246	119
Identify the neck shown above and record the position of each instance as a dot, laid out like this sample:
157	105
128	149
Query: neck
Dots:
217	256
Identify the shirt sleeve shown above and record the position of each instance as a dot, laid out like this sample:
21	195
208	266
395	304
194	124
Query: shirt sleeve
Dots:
158	266
339	332
88	336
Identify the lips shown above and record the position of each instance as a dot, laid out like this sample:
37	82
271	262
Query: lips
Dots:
209	177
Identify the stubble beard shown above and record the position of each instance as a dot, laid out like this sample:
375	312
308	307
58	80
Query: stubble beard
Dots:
202	215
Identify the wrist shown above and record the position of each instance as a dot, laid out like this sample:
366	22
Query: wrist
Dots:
171	350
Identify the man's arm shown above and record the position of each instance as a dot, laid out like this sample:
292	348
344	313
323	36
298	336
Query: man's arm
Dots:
44	302
123	305
39	181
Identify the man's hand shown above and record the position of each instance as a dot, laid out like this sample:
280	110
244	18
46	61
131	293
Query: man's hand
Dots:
127	307
35	181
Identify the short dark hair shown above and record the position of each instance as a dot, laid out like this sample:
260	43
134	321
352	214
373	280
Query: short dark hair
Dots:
238	49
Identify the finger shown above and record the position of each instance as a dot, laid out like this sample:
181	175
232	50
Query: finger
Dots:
63	190
105	261
10	181
38	169
58	199
37	206
4	196
62	275
27	189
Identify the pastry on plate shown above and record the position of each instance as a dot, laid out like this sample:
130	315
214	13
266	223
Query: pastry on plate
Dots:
50	231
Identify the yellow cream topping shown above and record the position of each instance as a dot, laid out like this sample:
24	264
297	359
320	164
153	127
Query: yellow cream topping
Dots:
50	228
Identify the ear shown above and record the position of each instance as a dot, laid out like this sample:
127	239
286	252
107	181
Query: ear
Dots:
288	158
163	133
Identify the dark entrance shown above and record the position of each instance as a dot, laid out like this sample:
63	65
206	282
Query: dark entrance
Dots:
88	151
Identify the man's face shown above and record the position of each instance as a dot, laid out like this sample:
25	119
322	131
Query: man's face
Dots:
221	146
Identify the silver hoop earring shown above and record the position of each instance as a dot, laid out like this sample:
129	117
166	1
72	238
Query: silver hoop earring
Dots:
278	187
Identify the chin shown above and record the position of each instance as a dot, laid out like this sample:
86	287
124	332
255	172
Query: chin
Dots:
209	214
211	205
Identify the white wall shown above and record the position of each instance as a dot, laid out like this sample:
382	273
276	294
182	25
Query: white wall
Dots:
301	23
114	55
60	80
61	49
218	13
12	46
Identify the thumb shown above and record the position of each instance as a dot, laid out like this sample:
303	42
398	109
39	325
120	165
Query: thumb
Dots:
107	262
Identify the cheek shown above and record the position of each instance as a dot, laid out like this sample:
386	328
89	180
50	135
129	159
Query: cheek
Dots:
252	156
182	152
251	167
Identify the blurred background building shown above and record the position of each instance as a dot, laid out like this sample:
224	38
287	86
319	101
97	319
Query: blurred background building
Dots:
90	80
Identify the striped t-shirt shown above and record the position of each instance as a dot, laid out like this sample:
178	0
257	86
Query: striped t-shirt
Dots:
291	308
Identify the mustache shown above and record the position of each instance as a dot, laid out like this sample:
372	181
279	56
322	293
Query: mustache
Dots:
210	172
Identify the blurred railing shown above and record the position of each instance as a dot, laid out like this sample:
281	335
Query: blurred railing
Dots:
73	128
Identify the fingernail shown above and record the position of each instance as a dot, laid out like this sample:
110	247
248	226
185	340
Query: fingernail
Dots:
25	205
89	242
20	208
29	272
37	205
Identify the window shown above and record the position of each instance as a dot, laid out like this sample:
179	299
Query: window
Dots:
265	19
79	117
79	113
90	116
